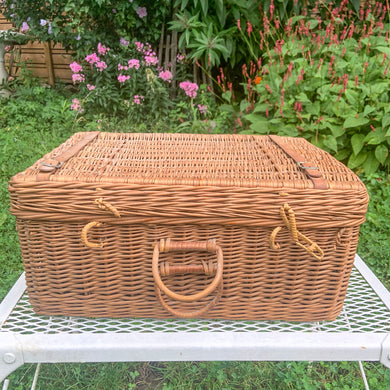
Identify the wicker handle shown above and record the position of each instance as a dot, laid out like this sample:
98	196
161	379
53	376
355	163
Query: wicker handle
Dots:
288	216
84	235
189	314
168	245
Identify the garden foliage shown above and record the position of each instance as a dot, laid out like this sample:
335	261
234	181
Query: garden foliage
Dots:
80	25
324	79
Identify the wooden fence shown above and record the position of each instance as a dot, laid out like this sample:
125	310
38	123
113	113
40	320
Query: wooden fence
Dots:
45	60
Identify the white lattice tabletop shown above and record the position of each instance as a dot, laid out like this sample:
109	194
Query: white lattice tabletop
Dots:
360	333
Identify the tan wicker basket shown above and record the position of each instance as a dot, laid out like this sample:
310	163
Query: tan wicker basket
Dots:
188	225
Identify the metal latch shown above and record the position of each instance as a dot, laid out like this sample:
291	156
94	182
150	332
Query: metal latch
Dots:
300	165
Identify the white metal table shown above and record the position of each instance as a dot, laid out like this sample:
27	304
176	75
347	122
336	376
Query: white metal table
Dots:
360	333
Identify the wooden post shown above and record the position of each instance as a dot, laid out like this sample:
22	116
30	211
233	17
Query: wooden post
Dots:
161	45
49	63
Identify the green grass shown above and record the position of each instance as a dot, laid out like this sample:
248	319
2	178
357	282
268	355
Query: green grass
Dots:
203	375
40	120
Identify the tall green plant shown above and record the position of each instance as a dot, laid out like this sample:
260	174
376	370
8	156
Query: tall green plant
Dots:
327	81
208	29
82	24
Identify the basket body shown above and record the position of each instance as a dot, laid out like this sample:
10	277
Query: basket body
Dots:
140	225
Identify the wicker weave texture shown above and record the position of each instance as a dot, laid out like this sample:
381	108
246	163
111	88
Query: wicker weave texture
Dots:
65	277
90	221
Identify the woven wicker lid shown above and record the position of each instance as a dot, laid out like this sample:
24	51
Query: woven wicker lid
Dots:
191	159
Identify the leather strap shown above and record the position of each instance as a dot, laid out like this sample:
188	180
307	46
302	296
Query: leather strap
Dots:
50	166
308	167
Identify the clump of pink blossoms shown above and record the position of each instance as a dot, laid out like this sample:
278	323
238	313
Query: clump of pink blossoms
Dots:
123	78
78	78
75	67
133	63
202	108
92	58
76	105
165	75
102	49
138	99
141	12
101	65
189	88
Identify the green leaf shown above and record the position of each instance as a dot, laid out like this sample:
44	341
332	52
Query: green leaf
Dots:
352	122
357	142
255	118
302	97
369	110
386	120
352	97
375	137
259	124
205	6
227	96
221	12
371	163
313	108
343	154
384	49
331	143
381	153
337	131
355	161
356	4
261	107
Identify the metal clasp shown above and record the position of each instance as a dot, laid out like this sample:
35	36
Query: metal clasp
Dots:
300	165
56	166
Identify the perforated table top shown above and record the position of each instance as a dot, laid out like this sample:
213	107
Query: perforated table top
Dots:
361	332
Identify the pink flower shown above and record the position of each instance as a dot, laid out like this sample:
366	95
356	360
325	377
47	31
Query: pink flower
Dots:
90	87
122	78
133	63
181	58
189	88
202	108
25	27
102	49
141	12
123	42
76	106
101	65
151	59
92	58
166	76
139	46
75	67
249	27
138	99
77	78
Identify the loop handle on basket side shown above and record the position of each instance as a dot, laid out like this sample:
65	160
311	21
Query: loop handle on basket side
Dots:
168	245
84	235
189	314
300	239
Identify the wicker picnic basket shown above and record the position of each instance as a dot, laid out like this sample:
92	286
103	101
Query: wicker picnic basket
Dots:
188	225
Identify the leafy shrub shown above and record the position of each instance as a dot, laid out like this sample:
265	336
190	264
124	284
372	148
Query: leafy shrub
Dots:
123	81
327	81
208	29
81	24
